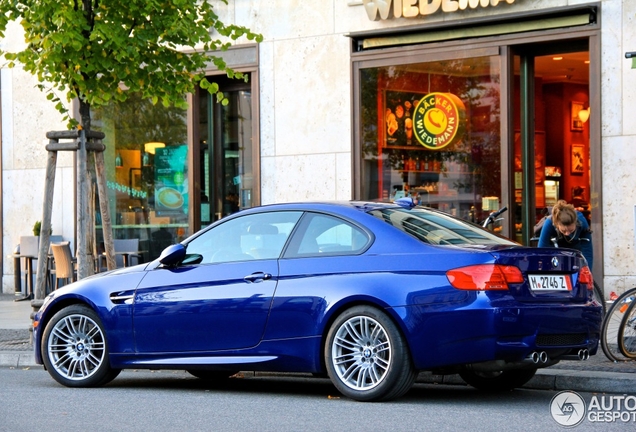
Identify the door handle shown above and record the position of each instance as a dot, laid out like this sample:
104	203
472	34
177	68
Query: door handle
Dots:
257	277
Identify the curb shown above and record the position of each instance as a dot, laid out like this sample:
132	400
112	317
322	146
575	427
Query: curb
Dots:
557	379
17	359
584	381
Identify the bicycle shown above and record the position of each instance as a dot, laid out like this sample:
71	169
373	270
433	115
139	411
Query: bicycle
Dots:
613	328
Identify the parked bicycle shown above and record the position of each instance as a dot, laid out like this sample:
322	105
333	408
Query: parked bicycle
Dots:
618	331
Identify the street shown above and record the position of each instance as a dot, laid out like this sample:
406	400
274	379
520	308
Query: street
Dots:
173	400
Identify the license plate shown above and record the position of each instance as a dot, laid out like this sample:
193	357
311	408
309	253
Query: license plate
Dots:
550	282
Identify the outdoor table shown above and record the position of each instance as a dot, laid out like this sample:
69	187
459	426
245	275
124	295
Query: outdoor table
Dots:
28	286
125	255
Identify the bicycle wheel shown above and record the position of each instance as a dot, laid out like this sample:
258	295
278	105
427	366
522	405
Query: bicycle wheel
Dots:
612	323
598	295
627	332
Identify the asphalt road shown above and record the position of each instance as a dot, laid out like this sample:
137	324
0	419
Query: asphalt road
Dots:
174	401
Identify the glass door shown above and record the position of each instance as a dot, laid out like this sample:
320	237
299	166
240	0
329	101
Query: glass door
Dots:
226	159
551	132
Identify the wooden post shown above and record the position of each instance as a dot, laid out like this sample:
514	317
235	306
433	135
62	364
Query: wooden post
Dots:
82	209
109	246
82	143
45	232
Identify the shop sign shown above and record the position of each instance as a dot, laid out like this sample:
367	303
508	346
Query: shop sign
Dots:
438	120
388	9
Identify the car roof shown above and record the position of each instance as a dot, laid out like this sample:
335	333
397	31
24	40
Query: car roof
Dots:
364	206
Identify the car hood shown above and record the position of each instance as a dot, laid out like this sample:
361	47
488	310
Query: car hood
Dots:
96	289
119	271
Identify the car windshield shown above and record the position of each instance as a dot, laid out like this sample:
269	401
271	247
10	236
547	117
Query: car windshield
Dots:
437	228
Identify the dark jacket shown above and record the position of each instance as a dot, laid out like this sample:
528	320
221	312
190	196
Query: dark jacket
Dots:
581	239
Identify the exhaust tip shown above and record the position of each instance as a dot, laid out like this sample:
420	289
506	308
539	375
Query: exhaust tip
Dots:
583	354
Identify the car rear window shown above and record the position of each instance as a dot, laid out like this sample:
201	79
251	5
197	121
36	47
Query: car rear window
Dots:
437	228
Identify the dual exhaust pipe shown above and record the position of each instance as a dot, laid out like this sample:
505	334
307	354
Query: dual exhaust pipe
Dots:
542	357
539	357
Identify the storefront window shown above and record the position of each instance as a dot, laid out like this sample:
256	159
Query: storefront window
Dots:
431	131
146	173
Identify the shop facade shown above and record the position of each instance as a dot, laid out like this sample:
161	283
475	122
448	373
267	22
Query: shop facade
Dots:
463	105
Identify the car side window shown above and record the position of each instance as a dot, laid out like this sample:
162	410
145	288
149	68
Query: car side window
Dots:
321	235
245	238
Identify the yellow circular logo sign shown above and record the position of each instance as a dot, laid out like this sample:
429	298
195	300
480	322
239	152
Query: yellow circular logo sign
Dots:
438	120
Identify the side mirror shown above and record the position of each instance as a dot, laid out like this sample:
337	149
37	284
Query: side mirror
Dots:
172	255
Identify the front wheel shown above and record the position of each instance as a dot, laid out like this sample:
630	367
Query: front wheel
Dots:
497	381
366	356
600	298
627	333
75	349
612	323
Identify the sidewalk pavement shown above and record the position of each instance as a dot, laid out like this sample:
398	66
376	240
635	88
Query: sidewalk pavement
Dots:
598	374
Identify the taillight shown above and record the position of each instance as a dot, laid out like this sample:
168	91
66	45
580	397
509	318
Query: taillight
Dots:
585	277
484	277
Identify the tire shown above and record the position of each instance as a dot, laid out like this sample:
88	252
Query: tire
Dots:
75	348
209	375
497	381
598	296
627	333
612	323
366	356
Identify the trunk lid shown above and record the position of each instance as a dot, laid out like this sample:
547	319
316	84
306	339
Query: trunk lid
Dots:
550	274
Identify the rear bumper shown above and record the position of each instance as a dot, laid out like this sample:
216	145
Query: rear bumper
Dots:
446	337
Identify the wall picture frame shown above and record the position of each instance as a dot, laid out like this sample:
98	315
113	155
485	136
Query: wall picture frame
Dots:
576	124
577	159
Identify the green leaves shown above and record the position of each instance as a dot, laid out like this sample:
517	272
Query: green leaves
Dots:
89	49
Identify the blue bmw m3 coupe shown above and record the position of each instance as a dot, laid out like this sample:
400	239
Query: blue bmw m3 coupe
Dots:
367	293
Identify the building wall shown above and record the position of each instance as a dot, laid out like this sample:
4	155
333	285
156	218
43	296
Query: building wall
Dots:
26	117
618	83
305	117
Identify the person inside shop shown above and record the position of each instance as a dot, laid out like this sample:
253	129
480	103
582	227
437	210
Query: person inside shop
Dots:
567	228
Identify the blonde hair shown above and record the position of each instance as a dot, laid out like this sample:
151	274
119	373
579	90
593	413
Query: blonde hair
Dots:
563	214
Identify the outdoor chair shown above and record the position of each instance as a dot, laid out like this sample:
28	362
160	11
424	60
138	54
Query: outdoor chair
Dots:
65	263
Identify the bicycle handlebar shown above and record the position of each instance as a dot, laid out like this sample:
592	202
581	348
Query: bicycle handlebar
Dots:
492	216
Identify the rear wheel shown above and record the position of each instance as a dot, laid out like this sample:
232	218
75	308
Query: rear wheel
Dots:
499	380
366	356
627	333
75	349
612	323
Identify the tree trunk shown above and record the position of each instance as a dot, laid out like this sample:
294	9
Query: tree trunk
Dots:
85	265
109	247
